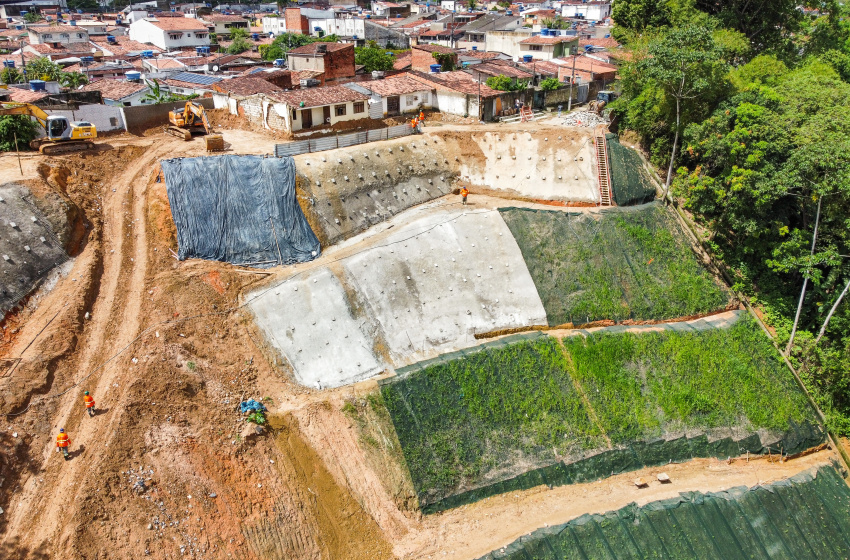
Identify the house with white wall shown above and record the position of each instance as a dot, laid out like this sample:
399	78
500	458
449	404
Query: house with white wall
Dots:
311	107
57	35
397	95
170	33
592	11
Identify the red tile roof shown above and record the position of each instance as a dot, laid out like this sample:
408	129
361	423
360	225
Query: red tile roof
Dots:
177	24
25	95
165	63
403	61
114	89
320	96
541	40
459	81
586	64
55	28
123	45
395	85
312	48
482	55
212	18
492	69
433	48
541	67
247	85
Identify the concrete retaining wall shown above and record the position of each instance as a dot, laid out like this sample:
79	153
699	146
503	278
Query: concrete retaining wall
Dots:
140	118
105	118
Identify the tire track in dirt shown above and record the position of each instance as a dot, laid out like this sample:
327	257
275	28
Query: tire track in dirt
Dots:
115	322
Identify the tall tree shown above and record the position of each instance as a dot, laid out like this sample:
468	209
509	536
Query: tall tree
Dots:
684	62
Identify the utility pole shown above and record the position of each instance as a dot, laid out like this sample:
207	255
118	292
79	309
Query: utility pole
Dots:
572	80
805	281
23	62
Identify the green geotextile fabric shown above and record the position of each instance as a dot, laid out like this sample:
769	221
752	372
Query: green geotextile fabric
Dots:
617	264
806	516
637	456
630	182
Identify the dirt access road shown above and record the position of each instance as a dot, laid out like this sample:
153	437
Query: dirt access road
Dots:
165	468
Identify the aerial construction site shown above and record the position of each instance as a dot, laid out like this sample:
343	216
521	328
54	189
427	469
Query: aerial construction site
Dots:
473	341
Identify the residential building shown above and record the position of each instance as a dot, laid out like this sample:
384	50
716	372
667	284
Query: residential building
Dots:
592	11
93	28
547	47
223	24
122	93
475	32
390	9
458	6
295	22
56	35
422	56
396	95
506	41
587	69
459	93
191	83
274	25
334	60
494	68
311	107
170	33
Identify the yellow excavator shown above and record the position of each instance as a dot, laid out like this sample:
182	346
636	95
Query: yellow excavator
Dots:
61	135
189	119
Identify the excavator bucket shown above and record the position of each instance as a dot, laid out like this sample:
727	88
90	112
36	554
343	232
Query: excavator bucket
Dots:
215	142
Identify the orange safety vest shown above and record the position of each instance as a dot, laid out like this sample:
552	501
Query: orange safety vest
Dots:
464	191
89	400
62	440
421	116
413	123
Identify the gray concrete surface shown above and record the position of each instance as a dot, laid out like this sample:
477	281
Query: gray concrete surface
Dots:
29	249
436	282
545	165
308	319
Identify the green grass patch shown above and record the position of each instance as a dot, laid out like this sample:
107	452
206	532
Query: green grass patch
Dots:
510	416
617	265
645	385
460	421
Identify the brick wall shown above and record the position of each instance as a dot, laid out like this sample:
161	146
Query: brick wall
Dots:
295	22
252	109
422	60
340	63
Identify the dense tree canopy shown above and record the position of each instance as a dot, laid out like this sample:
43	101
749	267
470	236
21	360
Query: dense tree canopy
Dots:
757	95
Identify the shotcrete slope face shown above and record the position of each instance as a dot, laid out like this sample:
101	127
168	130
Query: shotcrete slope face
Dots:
542	166
308	319
428	289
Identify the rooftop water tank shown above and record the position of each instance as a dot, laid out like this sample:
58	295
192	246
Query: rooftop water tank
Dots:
255	36
544	32
147	54
8	64
133	76
278	62
37	85
73	22
474	48
86	59
111	39
527	58
435	68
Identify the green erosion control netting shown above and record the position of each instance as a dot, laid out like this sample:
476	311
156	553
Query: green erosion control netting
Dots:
510	416
804	517
630	182
617	264
238	209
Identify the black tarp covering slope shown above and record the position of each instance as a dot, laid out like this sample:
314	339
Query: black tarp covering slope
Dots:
238	209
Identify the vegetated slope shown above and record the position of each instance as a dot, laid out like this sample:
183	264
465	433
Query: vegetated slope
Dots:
615	265
650	384
802	517
519	413
488	415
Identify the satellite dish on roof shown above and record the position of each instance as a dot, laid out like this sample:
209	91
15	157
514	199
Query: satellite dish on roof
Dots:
215	68
516	59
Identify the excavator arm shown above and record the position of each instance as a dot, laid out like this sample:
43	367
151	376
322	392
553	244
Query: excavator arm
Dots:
199	112
25	109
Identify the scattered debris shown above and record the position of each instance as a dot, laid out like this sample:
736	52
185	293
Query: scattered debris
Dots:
583	118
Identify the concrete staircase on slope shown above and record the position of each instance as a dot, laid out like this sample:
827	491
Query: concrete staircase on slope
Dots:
604	171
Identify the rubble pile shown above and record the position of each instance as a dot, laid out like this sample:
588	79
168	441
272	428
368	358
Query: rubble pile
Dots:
584	118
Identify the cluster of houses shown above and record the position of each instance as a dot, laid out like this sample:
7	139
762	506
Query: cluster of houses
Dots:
443	55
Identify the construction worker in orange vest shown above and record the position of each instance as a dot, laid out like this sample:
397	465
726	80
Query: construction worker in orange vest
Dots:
62	443
413	123
421	115
89	400
464	192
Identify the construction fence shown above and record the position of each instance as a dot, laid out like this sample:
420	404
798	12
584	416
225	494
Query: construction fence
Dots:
341	141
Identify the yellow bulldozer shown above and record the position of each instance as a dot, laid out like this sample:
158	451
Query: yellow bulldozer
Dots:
61	135
189	119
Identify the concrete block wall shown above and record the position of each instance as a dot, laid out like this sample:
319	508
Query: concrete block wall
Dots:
105	118
142	117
